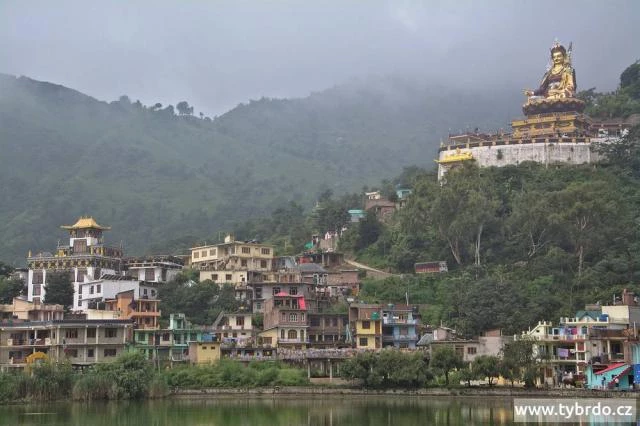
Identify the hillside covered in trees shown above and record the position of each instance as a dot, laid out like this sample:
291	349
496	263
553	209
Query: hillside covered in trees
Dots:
164	178
523	243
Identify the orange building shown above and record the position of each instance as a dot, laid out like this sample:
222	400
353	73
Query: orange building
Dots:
144	312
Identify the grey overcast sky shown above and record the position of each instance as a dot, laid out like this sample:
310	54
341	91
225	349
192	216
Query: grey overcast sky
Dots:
216	54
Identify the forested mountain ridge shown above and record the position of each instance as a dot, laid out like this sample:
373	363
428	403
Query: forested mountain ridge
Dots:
164	181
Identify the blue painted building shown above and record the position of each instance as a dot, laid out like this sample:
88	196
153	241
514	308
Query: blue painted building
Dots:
399	326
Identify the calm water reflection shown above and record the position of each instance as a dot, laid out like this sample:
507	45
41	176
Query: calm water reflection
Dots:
283	410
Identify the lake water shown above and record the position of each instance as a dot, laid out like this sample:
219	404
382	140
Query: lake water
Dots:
270	411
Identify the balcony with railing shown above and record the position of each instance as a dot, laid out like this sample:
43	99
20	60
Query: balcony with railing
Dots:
394	321
293	341
399	338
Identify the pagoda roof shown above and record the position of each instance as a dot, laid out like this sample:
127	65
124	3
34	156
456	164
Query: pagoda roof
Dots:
86	223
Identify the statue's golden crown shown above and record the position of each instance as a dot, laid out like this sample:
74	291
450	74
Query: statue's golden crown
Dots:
557	47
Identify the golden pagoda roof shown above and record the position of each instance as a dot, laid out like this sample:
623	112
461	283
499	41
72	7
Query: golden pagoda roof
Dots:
86	223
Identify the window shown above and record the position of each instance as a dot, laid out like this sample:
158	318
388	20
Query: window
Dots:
263	263
214	277
90	353
228	277
204	253
149	275
110	332
38	277
366	325
166	337
266	251
79	246
144	291
246	250
472	350
363	341
266	340
196	255
91	290
91	333
37	289
109	352
314	322
258	305
293	317
72	353
284	316
99	288
243	263
293	291
240	321
276	290
81	274
212	252
71	333
258	291
282	334
293	334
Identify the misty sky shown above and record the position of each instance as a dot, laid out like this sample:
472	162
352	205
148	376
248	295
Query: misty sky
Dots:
216	54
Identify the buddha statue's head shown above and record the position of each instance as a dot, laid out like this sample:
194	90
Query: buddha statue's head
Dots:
558	54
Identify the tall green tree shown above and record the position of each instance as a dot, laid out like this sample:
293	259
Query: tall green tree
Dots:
486	366
444	359
59	288
10	288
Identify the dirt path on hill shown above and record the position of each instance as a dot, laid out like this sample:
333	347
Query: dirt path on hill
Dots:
371	272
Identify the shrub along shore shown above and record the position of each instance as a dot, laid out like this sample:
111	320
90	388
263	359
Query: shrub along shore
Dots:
131	376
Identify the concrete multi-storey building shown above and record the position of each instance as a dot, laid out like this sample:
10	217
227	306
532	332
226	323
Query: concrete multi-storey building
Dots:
365	321
399	326
328	330
21	309
172	344
285	321
79	342
153	268
230	262
595	339
91	293
489	343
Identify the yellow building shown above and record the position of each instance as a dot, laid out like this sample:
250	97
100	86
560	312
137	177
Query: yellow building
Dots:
204	352
268	338
366	322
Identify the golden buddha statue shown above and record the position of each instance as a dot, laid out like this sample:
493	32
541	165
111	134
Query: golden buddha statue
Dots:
558	87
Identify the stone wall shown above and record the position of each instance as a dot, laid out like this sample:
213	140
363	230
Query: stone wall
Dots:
514	154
